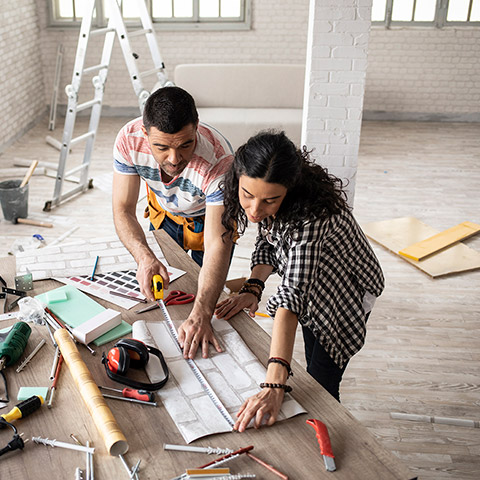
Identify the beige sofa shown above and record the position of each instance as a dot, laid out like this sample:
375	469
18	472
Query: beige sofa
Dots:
241	99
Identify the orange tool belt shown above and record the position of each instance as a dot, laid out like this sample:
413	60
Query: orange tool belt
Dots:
191	240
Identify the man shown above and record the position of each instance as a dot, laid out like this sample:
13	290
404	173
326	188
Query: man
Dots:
182	163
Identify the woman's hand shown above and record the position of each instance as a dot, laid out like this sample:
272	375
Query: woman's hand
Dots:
231	306
264	406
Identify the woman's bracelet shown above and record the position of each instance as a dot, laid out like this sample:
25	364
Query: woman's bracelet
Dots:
286	388
283	362
245	289
256	281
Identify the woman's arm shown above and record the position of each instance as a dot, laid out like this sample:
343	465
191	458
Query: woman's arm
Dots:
265	405
232	305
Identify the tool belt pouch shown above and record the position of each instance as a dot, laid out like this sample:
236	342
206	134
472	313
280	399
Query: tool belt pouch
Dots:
192	239
192	230
154	211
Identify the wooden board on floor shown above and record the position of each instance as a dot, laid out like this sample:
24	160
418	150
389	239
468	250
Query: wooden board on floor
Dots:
420	250
395	234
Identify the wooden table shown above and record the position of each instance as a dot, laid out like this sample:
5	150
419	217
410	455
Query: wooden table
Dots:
290	445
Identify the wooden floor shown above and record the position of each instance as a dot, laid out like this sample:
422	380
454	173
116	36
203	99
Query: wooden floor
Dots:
422	354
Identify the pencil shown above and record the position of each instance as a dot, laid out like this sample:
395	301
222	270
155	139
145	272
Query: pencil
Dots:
262	314
267	466
94	268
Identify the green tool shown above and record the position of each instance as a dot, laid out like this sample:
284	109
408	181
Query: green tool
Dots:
13	343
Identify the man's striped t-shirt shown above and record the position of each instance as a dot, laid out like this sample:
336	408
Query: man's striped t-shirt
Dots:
195	187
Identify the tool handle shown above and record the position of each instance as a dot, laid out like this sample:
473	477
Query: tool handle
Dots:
322	437
23	409
28	221
29	173
138	394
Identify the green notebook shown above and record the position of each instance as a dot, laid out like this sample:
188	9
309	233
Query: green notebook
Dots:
74	308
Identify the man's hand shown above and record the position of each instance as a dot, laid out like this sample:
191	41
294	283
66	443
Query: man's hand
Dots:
196	333
147	268
231	306
264	406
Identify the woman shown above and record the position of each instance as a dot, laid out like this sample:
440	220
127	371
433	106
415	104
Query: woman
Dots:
330	276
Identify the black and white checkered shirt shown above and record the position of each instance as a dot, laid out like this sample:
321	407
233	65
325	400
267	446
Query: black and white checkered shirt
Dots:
326	266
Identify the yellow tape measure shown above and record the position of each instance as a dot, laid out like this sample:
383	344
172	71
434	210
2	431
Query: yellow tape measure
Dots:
157	287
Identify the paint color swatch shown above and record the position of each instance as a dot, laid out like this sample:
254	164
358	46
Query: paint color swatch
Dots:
121	282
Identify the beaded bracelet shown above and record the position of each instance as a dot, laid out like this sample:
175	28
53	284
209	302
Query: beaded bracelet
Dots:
250	290
256	281
283	362
286	388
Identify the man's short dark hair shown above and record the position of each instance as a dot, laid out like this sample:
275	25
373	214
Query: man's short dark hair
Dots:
169	109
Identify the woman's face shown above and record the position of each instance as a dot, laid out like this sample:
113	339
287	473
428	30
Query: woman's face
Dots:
258	198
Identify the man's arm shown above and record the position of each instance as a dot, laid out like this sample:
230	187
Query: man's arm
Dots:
197	331
124	203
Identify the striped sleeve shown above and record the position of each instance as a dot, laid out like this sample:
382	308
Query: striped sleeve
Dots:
121	156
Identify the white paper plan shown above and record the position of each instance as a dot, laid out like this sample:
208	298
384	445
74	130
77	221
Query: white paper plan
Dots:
234	375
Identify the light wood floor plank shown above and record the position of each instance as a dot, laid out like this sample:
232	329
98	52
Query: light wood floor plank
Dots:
422	353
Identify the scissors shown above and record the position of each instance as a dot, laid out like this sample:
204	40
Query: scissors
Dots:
176	297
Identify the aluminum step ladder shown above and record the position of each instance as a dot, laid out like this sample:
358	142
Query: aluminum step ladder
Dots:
115	28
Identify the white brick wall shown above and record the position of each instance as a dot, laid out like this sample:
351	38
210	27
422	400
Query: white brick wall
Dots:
411	72
424	73
22	91
333	48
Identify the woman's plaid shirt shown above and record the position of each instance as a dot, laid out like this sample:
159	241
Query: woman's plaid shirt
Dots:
326	267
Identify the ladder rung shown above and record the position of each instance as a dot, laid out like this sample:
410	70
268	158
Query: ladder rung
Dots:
99	31
137	33
90	103
95	68
78	139
149	72
76	169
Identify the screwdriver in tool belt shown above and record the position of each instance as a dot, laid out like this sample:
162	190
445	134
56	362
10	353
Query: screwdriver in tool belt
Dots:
132	393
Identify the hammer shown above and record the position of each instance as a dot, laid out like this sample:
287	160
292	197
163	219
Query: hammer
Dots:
27	221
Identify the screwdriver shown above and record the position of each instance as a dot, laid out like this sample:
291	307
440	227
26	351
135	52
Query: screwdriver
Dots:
132	393
23	409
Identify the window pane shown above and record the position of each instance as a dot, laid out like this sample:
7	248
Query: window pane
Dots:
425	10
209	8
65	8
79	8
182	8
162	9
475	15
378	10
129	9
457	10
402	10
230	8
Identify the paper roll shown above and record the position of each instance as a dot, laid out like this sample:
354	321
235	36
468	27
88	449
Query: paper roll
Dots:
103	418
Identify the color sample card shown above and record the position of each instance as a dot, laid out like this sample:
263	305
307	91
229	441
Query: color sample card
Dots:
120	282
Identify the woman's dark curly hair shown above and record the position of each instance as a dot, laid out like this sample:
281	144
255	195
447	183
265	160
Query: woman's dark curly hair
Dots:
311	192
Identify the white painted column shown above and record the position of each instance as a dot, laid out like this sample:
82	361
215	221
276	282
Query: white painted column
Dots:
336	65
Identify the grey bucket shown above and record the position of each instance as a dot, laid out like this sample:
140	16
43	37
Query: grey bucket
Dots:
14	199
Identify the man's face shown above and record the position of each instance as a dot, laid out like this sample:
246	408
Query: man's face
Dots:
172	151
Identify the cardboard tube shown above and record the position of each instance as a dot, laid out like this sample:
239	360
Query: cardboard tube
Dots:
103	418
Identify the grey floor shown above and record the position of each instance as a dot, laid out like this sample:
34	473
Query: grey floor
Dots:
422	354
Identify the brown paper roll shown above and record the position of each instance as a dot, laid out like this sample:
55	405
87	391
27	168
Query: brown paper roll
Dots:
105	422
